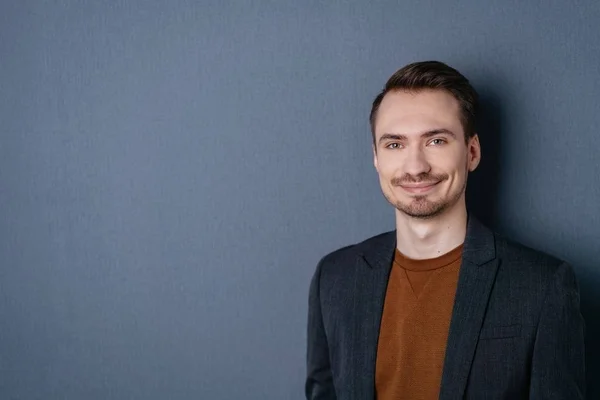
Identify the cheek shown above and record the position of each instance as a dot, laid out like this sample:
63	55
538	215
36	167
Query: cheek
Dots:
389	164
457	164
384	168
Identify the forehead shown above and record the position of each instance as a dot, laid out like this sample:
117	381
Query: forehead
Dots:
409	113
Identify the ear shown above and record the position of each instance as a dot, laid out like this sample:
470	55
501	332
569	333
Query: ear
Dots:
375	158
474	152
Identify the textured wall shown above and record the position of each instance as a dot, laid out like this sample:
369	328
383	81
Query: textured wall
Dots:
170	173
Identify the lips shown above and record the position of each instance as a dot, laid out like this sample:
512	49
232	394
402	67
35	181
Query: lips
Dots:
418	187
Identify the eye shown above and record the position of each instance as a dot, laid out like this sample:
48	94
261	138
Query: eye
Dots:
437	141
393	146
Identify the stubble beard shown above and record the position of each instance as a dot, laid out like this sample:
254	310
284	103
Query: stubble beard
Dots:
421	207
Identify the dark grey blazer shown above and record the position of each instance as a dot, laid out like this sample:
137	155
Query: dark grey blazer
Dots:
516	330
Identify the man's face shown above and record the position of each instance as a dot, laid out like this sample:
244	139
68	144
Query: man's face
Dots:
420	152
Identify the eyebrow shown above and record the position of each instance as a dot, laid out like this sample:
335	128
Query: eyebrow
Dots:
433	132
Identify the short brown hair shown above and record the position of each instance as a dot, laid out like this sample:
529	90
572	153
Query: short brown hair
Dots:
432	75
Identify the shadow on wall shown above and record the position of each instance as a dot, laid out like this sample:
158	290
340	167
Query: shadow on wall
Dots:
590	308
482	189
482	198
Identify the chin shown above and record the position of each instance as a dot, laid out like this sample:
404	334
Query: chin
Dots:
424	216
421	207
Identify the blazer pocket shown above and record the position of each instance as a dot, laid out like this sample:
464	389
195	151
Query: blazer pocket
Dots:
500	332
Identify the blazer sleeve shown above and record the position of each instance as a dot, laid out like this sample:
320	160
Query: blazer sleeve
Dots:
558	365
319	381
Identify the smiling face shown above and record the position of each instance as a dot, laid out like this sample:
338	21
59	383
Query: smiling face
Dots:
421	154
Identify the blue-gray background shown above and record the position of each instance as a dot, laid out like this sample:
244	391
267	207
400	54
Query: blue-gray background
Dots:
171	172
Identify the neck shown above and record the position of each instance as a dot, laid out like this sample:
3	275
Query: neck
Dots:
430	238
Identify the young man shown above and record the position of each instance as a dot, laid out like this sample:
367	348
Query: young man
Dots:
442	307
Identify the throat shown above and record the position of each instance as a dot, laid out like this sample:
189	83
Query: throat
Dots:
420	240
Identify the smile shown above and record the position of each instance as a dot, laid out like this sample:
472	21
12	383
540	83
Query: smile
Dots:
419	188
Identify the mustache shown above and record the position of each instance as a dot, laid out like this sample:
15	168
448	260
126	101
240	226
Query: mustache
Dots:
421	178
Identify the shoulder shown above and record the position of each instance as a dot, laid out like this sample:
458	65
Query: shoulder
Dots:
524	268
516	254
343	261
357	250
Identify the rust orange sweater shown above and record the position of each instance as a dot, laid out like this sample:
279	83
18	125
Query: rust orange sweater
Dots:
414	326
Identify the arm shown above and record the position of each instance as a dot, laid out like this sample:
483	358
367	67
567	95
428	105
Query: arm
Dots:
319	381
558	365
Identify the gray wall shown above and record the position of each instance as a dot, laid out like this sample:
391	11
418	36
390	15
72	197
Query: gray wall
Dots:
171	172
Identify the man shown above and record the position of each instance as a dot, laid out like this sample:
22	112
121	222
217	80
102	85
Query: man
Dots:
442	307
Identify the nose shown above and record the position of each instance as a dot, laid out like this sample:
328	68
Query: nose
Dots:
416	162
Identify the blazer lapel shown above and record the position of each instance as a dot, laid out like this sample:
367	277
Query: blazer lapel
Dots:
476	278
370	287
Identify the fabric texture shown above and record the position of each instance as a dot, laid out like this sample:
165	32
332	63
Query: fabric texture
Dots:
414	326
